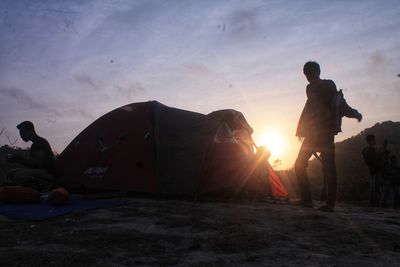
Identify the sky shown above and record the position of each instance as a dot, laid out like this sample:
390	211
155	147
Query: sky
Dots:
63	64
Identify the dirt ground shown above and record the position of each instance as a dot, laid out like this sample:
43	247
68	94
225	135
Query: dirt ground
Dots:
149	232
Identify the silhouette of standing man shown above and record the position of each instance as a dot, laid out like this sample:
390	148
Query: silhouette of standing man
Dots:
317	127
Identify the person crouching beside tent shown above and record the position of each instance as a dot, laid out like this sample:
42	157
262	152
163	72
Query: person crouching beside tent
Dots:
36	170
262	172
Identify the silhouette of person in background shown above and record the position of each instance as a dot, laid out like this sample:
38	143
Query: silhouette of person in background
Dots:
317	127
371	159
395	181
385	185
37	169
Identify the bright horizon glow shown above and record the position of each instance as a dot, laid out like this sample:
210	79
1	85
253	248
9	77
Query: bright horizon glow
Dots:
274	141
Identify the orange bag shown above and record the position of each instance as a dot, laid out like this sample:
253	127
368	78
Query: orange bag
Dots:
58	197
18	194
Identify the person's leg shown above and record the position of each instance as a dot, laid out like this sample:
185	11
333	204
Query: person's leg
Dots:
7	169
301	164
385	192
373	200
370	192
329	169
37	179
396	196
324	190
378	188
12	176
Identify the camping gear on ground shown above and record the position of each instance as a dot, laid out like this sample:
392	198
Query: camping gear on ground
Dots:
152	148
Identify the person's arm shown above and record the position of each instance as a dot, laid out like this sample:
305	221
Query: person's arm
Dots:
308	91
350	112
302	124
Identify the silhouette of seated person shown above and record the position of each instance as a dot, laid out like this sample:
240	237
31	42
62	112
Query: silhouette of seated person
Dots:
35	170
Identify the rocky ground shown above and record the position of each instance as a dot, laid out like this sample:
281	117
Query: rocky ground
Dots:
149	232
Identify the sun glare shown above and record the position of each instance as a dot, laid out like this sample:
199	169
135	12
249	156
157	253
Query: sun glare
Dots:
274	142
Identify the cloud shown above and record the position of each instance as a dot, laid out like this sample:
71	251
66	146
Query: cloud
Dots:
25	99
243	22
82	112
52	114
197	68
377	58
87	80
377	63
130	91
22	97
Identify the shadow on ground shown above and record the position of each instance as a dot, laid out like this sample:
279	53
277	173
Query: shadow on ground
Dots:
147	232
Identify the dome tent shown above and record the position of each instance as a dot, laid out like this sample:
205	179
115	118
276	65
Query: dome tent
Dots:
152	148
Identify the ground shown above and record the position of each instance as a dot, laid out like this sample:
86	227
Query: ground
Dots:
150	232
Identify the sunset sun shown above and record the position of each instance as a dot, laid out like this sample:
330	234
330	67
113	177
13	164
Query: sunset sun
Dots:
274	142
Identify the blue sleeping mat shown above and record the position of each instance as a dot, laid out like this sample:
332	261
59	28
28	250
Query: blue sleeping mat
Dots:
42	210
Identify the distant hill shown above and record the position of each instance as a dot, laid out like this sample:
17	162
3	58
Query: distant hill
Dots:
353	176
